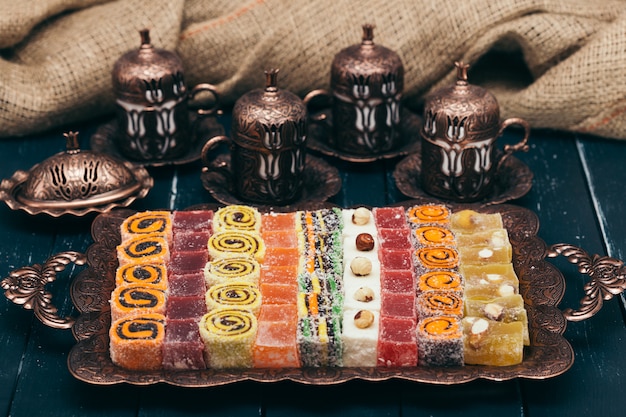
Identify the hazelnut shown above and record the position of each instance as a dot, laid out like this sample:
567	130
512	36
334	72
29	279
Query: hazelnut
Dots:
361	216
494	311
361	266
364	242
363	319
364	294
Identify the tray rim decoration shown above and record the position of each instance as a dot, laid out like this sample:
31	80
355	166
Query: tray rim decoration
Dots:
541	284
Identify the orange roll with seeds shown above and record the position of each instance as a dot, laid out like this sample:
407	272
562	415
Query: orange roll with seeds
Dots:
136	342
143	249
147	222
129	300
149	274
440	341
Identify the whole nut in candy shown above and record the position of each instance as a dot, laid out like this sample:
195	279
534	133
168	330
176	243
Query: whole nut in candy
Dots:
478	332
364	242
494	311
361	216
364	294
363	319
361	266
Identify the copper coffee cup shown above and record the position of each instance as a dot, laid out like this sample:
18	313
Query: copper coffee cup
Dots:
367	82
267	148
460	161
152	104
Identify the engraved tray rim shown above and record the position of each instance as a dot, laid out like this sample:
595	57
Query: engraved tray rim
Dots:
541	284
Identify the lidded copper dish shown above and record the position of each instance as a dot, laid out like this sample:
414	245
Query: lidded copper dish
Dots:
367	81
461	125
75	182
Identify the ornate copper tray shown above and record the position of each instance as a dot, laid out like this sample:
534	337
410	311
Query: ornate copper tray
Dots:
541	284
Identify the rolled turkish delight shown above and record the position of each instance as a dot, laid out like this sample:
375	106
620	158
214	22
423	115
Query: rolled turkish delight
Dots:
241	295
150	248
147	223
137	299
439	303
428	214
440	341
236	244
237	217
149	274
224	270
228	336
136	342
440	281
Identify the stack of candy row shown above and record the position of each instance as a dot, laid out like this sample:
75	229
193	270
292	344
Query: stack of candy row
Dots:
160	285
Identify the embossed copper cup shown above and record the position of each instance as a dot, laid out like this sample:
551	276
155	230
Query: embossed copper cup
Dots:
460	160
152	103
267	148
367	82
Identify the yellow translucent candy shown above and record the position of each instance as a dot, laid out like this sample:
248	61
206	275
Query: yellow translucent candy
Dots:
470	221
504	309
486	282
484	255
488	342
496	238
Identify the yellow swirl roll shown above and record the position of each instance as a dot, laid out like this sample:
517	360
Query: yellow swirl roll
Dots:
237	217
228	335
241	295
136	342
236	244
221	271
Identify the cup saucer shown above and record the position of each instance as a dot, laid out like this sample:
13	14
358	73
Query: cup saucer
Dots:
513	180
320	131
103	140
321	181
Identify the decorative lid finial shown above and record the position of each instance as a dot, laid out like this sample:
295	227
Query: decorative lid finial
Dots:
71	142
271	79
145	38
368	34
461	72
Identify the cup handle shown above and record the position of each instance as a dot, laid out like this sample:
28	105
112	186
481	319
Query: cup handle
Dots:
311	96
522	145
208	157
207	111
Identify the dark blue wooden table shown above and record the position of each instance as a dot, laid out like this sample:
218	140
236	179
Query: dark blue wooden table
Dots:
578	195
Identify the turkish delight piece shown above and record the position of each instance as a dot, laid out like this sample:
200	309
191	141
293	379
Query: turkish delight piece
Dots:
470	221
137	299
440	341
280	239
399	239
235	294
489	342
396	259
496	238
433	235
360	337
279	293
278	221
150	274
184	241
390	217
398	305
187	284
192	220
186	307
237	217
428	214
397	281
228	336
279	312
183	347
147	223
397	344
275	345
357	221
136	342
486	282
443	280
319	341
484	255
439	303
188	261
223	270
505	309
281	256
279	274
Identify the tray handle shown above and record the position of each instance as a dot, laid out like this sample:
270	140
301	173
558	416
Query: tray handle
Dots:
607	278
25	286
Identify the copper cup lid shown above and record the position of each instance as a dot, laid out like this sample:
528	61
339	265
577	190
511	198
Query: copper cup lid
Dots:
76	182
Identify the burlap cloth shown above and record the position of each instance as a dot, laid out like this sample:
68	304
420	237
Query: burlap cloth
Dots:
556	63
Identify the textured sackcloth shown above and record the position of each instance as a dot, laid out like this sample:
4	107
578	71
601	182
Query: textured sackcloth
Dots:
556	63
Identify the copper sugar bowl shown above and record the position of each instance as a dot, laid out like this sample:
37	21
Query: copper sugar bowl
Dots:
152	103
367	81
268	145
459	157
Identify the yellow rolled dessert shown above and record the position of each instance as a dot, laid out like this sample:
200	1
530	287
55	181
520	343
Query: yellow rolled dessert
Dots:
136	342
224	270
228	335
236	244
240	294
237	217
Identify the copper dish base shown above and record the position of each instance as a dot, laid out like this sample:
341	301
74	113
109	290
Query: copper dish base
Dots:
319	132
207	127
321	181
541	285
514	179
